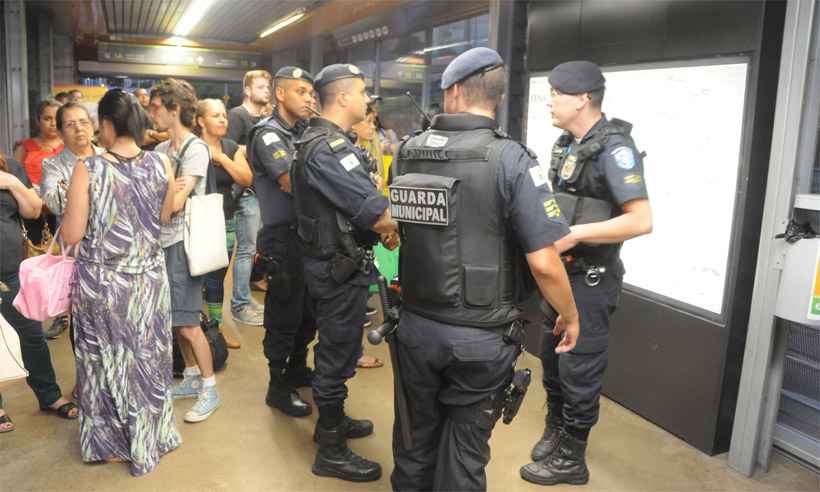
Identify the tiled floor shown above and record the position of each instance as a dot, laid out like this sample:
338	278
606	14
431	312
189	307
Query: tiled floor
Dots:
247	446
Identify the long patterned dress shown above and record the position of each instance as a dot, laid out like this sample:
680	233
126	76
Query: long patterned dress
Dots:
121	306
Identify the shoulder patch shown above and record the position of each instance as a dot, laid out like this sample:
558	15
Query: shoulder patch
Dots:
633	179
434	140
336	143
624	157
551	208
538	175
270	137
349	162
280	154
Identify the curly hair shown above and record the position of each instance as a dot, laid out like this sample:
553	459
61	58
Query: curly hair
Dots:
178	95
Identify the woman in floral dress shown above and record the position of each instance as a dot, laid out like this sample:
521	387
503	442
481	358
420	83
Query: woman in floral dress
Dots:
120	294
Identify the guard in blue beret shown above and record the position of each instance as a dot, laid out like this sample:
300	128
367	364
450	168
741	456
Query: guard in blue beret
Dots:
597	176
289	321
478	226
340	216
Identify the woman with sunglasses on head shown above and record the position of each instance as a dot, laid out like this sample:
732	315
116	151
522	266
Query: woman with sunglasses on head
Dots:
121	303
232	172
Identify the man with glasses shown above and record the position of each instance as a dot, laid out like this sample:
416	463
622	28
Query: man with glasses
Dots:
76	128
597	176
339	217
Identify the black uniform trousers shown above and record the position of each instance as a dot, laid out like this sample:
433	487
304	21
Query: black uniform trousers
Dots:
573	380
450	374
340	317
290	323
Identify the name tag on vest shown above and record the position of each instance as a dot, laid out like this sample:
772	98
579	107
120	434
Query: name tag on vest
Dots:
428	206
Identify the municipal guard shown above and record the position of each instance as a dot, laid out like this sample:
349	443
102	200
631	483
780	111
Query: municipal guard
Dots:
340	216
477	222
597	175
290	324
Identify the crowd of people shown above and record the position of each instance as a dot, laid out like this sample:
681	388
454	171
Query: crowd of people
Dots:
300	166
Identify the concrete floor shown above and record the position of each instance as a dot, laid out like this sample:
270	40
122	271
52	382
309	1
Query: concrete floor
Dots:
247	446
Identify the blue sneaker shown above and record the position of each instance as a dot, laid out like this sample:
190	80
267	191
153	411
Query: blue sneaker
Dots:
203	408
188	388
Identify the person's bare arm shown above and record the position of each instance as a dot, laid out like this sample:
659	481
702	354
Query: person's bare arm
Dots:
385	224
28	203
238	167
20	153
183	187
635	221
168	201
551	277
75	219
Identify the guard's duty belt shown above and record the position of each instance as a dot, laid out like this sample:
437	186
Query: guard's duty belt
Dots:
593	269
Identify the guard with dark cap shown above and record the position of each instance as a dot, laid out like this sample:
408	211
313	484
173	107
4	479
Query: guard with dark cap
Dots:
478	226
289	321
340	216
597	175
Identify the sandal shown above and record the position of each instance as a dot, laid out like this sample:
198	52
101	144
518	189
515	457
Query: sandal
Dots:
63	411
369	362
6	420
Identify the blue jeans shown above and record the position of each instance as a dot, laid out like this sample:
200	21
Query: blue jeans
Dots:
248	223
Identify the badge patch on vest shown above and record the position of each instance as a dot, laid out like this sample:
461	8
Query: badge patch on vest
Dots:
624	157
428	206
350	161
569	167
337	143
538	175
436	141
270	137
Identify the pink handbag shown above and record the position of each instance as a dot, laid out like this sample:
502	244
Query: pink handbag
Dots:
44	284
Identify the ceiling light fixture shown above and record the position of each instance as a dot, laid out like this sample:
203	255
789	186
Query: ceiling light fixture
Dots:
193	14
284	22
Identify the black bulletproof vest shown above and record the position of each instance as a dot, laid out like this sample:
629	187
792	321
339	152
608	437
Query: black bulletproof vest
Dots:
580	190
457	263
316	218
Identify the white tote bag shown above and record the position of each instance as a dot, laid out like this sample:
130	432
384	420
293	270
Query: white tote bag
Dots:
11	358
203	233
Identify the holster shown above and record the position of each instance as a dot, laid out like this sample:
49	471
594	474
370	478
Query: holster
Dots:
342	267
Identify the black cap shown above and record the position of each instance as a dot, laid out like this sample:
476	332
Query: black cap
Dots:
295	73
577	77
338	71
468	63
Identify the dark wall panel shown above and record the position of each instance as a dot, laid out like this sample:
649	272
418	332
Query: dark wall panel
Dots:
612	32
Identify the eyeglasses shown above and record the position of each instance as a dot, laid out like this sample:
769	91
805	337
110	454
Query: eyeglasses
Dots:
76	124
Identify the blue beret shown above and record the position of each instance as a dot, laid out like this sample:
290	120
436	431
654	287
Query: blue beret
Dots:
469	63
290	72
576	77
338	71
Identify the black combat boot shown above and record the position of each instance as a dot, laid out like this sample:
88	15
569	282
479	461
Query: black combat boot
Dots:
549	441
284	397
335	459
299	376
353	428
565	465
